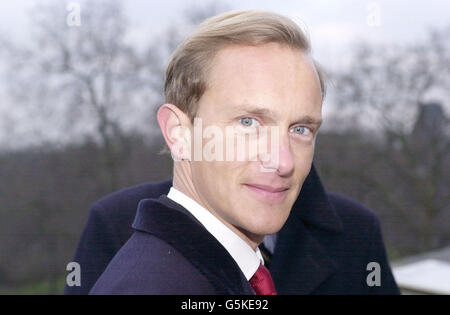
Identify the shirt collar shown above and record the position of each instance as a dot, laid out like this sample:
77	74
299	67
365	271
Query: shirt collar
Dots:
246	258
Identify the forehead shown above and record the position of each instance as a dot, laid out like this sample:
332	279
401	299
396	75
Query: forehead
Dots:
270	75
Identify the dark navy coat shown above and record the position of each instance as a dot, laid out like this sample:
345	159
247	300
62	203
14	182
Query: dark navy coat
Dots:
324	248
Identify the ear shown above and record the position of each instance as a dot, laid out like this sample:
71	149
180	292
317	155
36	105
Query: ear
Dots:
174	125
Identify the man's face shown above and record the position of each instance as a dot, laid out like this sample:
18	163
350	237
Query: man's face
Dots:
250	87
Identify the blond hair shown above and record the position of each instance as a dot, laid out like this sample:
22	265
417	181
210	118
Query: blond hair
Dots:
186	74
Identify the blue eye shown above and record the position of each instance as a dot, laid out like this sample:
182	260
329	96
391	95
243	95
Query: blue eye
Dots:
301	130
249	122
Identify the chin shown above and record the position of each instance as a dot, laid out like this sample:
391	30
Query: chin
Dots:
265	225
260	217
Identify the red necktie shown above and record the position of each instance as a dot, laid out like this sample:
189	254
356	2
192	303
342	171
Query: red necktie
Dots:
262	282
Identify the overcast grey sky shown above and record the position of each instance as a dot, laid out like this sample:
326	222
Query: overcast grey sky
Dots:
333	24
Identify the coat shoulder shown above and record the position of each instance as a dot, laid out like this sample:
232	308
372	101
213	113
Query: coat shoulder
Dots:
115	212
363	235
351	211
149	265
129	197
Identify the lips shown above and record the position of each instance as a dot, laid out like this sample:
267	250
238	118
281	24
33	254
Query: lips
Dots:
273	193
269	188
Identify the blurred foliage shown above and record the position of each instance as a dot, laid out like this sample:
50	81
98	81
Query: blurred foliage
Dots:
45	197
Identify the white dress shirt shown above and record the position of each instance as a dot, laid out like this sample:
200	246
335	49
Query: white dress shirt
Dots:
246	258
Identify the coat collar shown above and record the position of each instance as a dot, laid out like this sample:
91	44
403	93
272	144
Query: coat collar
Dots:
313	206
172	223
300	262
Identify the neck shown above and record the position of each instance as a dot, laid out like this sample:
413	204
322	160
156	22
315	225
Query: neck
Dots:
182	181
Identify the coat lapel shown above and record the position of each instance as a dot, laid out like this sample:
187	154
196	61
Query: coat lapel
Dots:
300	262
172	223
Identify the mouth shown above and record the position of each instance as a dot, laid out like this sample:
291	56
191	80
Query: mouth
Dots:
269	193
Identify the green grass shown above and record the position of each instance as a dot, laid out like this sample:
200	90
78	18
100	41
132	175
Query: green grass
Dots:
41	287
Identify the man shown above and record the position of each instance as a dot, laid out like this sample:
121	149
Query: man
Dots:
243	80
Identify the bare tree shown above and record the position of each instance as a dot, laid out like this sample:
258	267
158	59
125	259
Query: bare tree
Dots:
385	92
83	81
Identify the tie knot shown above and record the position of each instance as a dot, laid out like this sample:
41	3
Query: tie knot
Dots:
262	282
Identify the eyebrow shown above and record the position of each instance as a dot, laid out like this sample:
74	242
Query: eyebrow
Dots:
265	112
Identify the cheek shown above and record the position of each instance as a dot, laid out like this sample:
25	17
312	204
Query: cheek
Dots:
303	154
303	160
217	176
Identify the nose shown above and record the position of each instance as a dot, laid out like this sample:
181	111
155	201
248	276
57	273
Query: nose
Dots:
280	158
